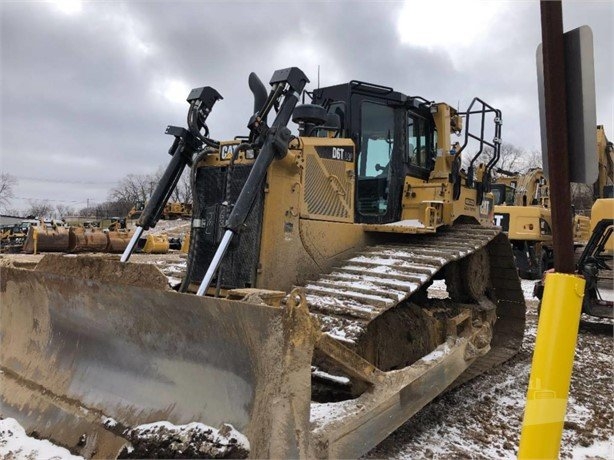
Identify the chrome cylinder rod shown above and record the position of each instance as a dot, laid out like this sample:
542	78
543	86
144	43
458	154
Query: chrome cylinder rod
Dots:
215	263
132	244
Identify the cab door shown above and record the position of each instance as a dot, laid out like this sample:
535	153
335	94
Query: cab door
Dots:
379	164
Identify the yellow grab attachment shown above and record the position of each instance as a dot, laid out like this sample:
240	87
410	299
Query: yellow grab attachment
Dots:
156	244
555	344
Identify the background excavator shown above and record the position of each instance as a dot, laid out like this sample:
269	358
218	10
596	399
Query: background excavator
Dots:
311	330
595	261
522	209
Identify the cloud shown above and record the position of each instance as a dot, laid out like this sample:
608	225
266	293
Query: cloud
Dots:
89	87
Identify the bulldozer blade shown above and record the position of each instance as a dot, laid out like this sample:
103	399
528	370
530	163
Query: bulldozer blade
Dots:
91	347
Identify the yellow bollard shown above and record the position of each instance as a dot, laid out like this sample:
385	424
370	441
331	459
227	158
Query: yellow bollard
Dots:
557	332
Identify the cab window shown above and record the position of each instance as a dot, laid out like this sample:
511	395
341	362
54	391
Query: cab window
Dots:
373	166
421	142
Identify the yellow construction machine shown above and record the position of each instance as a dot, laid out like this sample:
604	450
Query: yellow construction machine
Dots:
304	321
596	260
522	209
13	237
176	210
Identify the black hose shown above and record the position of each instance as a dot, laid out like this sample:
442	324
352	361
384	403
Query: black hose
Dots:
196	213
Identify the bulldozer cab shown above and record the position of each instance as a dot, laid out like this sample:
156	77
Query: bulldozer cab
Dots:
395	136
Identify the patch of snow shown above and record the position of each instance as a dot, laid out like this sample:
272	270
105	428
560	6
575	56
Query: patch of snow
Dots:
599	450
16	444
173	282
322	413
527	288
406	223
335	303
109	422
436	354
325	375
195	436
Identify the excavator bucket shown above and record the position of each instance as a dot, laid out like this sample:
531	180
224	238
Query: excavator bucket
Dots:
87	240
91	347
156	244
118	240
52	239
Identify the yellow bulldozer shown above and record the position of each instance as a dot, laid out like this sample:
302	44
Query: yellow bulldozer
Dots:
304	322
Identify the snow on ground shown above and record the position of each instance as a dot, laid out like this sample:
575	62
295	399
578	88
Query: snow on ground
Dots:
194	440
482	419
173	228
16	445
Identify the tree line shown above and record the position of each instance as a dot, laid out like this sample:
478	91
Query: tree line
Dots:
129	191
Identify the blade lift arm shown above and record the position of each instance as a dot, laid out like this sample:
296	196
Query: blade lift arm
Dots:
286	83
186	143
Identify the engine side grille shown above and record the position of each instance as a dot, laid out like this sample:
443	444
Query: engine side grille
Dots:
328	190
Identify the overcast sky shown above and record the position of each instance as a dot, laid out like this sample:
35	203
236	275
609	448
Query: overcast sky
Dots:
88	88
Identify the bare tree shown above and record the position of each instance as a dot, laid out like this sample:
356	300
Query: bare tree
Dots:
136	188
512	158
183	191
107	209
533	159
13	212
62	210
7	183
40	208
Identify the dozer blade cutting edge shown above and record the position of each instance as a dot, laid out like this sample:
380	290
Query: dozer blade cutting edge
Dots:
92	348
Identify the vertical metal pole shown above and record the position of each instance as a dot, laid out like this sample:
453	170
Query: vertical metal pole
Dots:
556	128
557	330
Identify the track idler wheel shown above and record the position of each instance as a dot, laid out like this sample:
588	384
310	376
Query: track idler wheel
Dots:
468	278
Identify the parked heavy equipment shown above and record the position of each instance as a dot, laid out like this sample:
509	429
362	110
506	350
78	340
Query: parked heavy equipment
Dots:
136	210
46	235
13	237
176	210
596	260
522	210
312	330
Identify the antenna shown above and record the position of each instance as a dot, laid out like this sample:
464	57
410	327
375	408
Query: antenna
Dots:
318	76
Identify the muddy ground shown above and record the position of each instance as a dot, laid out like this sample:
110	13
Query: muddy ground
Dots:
482	419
